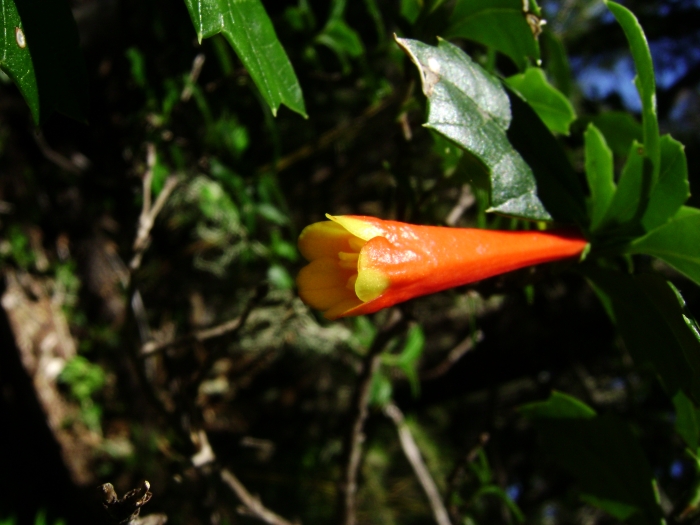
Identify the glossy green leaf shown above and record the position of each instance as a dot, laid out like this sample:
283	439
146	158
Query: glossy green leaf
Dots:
40	53
250	32
499	24
687	420
677	242
645	81
672	188
599	173
651	321
620	130
551	106
601	452
471	108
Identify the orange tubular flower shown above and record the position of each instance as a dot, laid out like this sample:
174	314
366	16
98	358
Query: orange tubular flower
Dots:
358	265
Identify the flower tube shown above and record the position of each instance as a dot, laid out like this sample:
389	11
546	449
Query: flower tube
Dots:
359	265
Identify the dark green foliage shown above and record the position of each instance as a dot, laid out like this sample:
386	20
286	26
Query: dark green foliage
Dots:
197	358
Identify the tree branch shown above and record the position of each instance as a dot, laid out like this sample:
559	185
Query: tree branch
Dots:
410	449
355	438
252	506
148	212
228	327
453	356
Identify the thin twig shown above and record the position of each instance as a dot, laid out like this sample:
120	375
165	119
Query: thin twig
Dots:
252	505
226	328
148	212
465	201
412	452
78	164
353	446
197	64
329	137
453	356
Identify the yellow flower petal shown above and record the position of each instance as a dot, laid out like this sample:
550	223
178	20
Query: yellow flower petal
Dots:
324	239
342	307
322	282
359	228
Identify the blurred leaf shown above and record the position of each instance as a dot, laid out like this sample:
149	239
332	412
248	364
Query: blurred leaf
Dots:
620	130
501	494
279	277
250	32
40	53
499	24
272	214
645	82
408	359
558	406
339	37
381	389
672	188
602	453
343	40
686	423
551	106
160	174
650	319
364	331
410	9
376	15
599	173
619	510
677	242
282	248
470	107
83	377
137	65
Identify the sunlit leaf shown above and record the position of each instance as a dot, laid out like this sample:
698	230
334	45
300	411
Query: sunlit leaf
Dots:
677	242
645	81
470	107
620	130
599	173
672	188
625	211
551	106
250	32
40	53
500	24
